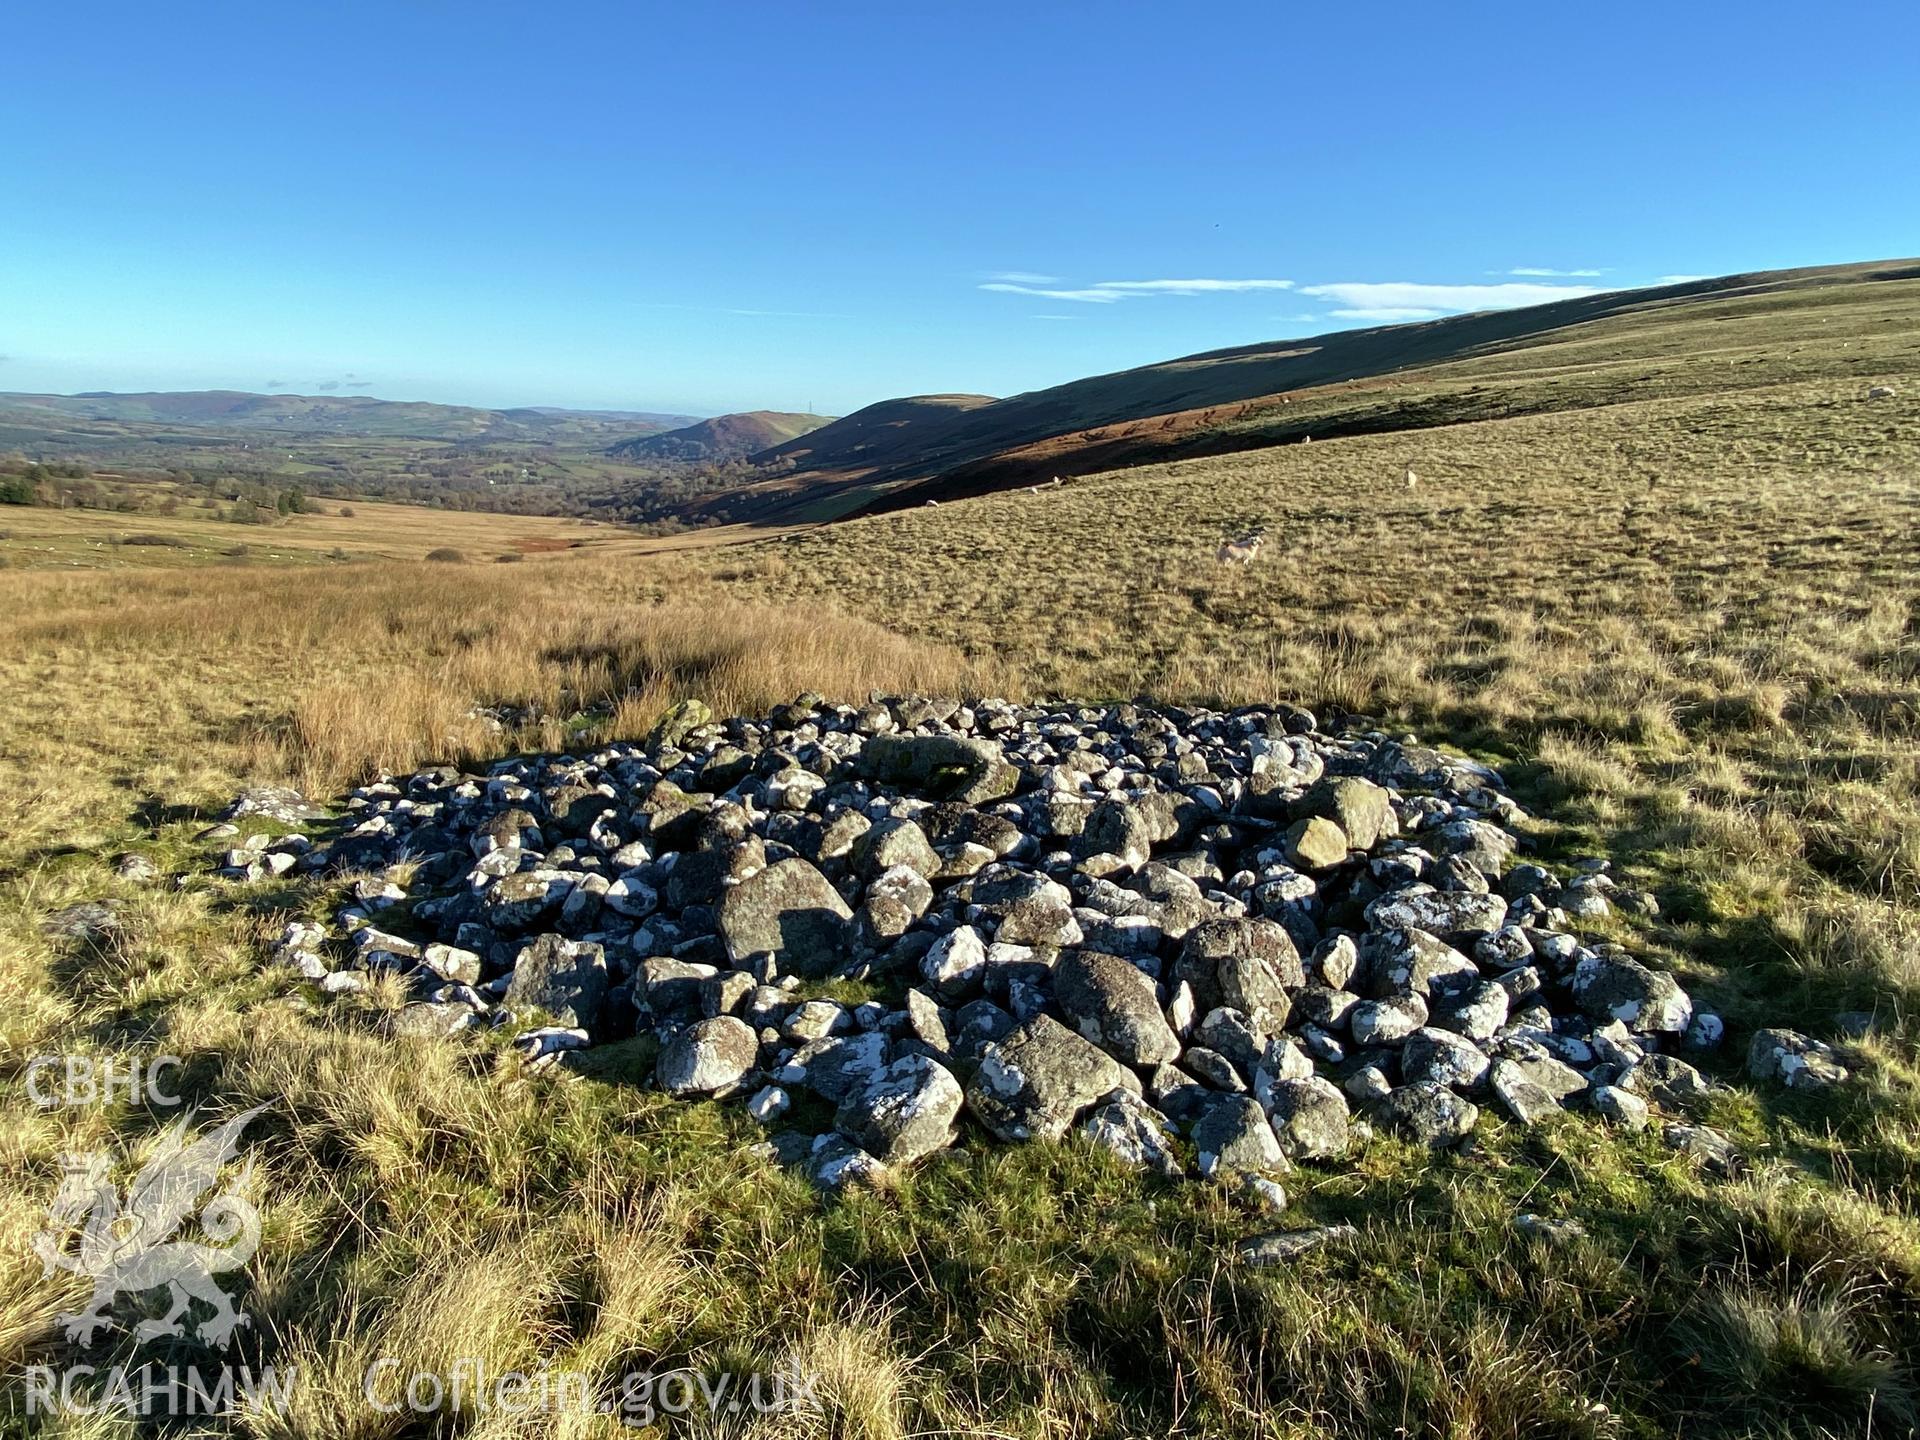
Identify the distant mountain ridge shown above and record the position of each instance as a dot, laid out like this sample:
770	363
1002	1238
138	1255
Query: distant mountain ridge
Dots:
341	415
723	437
941	447
886	433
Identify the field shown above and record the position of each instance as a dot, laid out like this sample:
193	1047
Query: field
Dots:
1684	620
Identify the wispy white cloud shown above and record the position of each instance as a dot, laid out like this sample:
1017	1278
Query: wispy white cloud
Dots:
1542	272
1022	277
1108	292
1400	300
1084	297
1191	287
1680	279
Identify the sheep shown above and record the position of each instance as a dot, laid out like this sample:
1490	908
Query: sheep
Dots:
1242	551
1881	392
1413	480
933	504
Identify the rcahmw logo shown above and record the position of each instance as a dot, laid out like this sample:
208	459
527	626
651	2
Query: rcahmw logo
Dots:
54	1081
127	1246
153	1390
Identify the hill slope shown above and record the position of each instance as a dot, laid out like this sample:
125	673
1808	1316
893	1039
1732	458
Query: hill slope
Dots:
892	432
335	414
1597	349
724	437
1681	625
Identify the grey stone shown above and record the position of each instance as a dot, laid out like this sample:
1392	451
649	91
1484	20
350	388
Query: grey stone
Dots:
1284	1245
1621	1106
565	978
1430	1114
1309	1118
1133	1131
1234	1135
1403	961
1711	1150
1525	1101
521	901
1438	912
904	1112
1037	1081
1478	1014
836	1066
1113	1004
891	844
1795	1060
1613	987
789	910
1442	1057
941	767
1386	1022
956	965
836	1163
710	1057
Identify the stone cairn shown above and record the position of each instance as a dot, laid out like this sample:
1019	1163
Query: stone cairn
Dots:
1210	943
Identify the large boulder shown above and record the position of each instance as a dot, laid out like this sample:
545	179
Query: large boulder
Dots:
1614	987
1362	809
1117	828
1250	965
790	911
1309	1117
1443	1057
941	767
956	964
1429	1113
1413	962
1315	843
895	900
520	901
1233	1135
565	978
1445	913
1030	909
892	843
1485	846
1039	1079
905	1111
838	1065
711	1057
681	719
1523	1098
1112	1004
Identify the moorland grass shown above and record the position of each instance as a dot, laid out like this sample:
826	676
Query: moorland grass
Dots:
1686	626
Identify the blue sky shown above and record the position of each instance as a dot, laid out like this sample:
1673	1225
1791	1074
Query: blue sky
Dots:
823	204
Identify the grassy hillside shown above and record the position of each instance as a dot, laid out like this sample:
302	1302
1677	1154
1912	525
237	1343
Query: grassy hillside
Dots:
724	437
1740	331
1683	615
